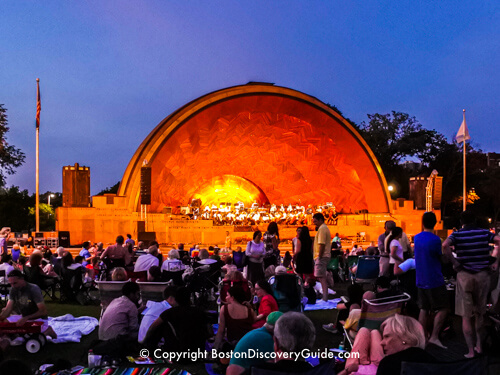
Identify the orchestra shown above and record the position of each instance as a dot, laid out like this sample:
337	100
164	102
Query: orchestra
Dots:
238	214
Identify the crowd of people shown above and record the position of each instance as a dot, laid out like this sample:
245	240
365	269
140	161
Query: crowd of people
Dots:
258	291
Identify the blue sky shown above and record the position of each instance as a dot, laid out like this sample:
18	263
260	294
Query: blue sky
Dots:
110	71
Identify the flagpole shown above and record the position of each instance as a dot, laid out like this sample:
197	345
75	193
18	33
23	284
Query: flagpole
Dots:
37	204
465	175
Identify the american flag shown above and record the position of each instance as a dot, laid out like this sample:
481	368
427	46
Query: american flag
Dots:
38	103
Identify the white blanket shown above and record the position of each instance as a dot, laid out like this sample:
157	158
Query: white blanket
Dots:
71	329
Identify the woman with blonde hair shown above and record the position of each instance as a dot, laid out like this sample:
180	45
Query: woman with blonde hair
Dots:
402	340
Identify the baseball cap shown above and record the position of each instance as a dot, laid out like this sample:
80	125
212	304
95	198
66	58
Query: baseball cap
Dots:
273	317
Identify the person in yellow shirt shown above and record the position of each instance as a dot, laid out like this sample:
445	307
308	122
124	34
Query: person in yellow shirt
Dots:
322	251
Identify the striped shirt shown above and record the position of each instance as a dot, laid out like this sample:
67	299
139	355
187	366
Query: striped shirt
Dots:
472	246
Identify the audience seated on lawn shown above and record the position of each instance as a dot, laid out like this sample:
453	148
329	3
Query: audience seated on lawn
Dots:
229	266
260	339
403	340
120	320
154	310
5	265
173	262
205	257
267	302
293	332
146	261
236	318
183	327
25	300
119	274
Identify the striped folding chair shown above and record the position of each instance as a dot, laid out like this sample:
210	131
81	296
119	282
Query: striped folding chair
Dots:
374	312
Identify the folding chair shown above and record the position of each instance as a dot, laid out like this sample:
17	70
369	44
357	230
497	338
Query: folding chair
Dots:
239	260
368	270
375	311
174	276
108	291
152	291
183	253
334	267
47	284
137	276
225	285
288	291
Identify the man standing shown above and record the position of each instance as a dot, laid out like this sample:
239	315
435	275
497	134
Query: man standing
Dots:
129	240
228	242
384	253
473	277
4	235
322	251
432	293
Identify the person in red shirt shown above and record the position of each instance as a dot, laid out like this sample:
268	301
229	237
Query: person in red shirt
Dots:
267	304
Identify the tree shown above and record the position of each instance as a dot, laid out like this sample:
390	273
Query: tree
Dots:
47	217
396	137
487	189
110	190
10	157
14	209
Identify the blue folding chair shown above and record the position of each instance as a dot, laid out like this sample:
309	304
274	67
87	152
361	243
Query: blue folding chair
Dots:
368	269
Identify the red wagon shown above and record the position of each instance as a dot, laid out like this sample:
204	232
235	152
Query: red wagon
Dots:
31	331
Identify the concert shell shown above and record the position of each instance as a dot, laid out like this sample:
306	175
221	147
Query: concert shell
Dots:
257	143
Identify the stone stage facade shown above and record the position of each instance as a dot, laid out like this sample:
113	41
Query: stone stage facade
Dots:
255	143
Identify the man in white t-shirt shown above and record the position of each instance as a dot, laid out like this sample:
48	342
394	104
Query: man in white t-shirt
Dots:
146	261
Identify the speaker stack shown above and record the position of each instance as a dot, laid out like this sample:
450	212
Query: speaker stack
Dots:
146	185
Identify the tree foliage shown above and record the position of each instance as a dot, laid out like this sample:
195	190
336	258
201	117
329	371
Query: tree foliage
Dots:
10	156
110	190
17	210
14	209
397	137
47	217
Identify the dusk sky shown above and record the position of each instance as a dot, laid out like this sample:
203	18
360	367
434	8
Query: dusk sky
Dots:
110	71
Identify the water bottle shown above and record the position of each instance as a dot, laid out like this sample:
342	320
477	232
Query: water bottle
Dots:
342	344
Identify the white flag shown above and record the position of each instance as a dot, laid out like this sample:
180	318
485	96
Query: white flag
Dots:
463	132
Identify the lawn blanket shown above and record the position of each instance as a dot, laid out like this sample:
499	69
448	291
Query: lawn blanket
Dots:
71	329
322	305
